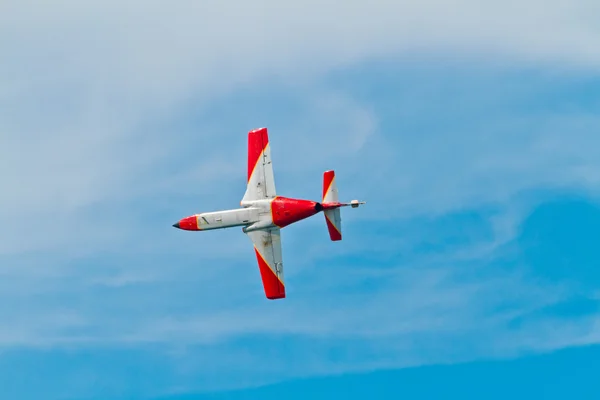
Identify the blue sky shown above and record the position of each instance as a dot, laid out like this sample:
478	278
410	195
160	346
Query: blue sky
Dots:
471	272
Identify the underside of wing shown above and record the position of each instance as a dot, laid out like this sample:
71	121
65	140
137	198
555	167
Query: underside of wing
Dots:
261	182
267	246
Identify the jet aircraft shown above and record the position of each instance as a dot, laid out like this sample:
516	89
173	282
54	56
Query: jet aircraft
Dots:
263	213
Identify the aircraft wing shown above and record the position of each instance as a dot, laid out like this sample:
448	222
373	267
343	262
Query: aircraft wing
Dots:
261	182
267	246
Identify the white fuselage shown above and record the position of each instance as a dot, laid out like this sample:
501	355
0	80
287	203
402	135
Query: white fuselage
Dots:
253	215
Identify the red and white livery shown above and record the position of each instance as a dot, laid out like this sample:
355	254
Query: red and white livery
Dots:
263	213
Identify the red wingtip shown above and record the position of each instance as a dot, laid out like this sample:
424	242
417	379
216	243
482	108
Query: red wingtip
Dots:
274	288
258	139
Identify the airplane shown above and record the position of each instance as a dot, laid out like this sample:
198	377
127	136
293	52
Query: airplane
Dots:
263	213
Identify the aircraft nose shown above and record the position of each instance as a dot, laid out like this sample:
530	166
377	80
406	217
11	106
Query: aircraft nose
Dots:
188	223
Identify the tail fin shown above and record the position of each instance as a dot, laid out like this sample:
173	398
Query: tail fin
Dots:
332	215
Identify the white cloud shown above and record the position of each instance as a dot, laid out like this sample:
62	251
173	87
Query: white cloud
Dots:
81	84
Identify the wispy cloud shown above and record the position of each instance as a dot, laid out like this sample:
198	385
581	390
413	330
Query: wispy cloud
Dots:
84	85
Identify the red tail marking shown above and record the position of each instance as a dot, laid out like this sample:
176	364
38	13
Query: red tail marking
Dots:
334	233
327	180
258	140
285	211
274	289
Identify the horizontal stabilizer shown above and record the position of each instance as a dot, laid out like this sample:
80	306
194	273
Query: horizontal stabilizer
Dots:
330	192
333	218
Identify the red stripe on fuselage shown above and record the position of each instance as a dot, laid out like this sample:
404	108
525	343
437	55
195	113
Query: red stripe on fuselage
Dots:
286	211
258	140
274	289
327	180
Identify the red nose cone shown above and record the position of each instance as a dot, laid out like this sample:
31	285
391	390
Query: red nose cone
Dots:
188	224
